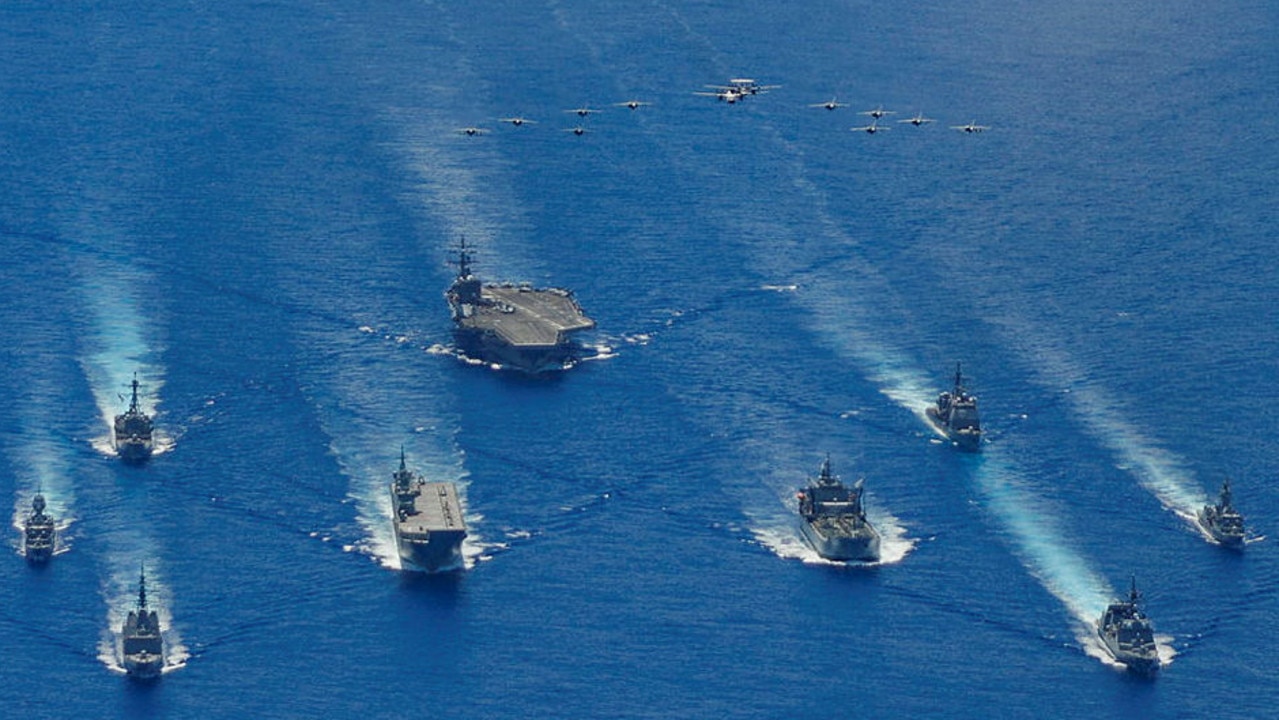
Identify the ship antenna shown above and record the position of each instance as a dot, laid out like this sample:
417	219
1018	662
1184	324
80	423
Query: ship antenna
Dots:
826	467
463	259
142	588
402	465
1133	595
133	404
959	380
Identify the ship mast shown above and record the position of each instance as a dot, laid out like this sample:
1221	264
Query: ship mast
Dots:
142	588
133	403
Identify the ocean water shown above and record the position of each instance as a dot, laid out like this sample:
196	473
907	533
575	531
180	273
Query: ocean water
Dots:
251	206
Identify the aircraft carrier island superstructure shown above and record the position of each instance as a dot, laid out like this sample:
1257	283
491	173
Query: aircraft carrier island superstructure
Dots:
518	327
428	523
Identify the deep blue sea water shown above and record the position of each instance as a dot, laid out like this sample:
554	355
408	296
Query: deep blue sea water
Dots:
252	204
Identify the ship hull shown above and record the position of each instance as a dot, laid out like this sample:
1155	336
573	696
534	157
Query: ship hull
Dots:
440	552
486	347
143	666
1226	539
133	451
859	546
1139	663
964	440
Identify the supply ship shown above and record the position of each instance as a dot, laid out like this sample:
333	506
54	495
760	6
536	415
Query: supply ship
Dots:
38	533
133	431
1128	635
428	523
516	327
955	415
141	643
834	521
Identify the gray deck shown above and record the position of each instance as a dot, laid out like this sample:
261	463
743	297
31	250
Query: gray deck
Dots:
524	316
437	509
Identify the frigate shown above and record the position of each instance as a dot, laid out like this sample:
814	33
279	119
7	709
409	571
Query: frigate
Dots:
141	644
834	521
428	523
133	431
1222	521
512	326
1128	635
38	533
955	415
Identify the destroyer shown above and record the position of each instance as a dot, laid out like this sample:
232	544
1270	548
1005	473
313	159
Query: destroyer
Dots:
834	521
514	326
955	415
1222	521
428	522
38	533
142	645
1127	634
133	431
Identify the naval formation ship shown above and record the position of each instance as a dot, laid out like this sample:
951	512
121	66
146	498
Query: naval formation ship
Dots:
955	415
514	326
38	533
141	643
1222	521
133	430
428	523
834	521
1128	635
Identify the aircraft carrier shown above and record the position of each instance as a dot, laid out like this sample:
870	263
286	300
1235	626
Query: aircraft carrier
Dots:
516	327
428	524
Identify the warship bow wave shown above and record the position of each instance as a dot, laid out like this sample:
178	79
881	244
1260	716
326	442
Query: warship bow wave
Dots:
133	431
1222	521
142	645
38	533
955	415
428	524
1128	635
514	326
834	521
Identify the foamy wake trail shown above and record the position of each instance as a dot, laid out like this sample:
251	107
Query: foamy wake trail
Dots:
120	593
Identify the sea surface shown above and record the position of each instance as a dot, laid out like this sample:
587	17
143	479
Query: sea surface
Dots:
252	206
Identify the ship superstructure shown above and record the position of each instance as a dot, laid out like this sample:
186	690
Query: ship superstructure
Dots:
955	415
428	523
141	644
133	431
1128	634
833	520
518	327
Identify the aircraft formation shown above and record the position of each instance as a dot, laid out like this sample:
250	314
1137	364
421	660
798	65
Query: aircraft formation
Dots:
734	91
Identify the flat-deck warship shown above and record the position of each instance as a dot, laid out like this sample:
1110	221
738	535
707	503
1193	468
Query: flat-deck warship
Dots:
133	431
141	642
834	521
1222	521
1128	635
428	524
955	415
514	326
38	533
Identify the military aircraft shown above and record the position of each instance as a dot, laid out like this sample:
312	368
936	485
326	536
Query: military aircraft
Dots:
870	129
727	95
579	130
632	104
918	120
829	104
518	121
746	86
582	111
971	127
878	112
472	131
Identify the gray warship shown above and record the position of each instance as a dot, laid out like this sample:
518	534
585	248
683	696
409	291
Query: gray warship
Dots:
1128	635
141	643
518	327
428	524
834	521
1222	521
133	431
38	533
955	415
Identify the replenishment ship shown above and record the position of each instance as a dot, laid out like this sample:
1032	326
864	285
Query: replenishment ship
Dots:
833	520
517	327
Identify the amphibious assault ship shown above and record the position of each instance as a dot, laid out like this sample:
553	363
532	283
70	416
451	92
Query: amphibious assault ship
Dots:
38	533
428	524
1128	635
133	431
514	326
834	521
1222	521
955	415
141	643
